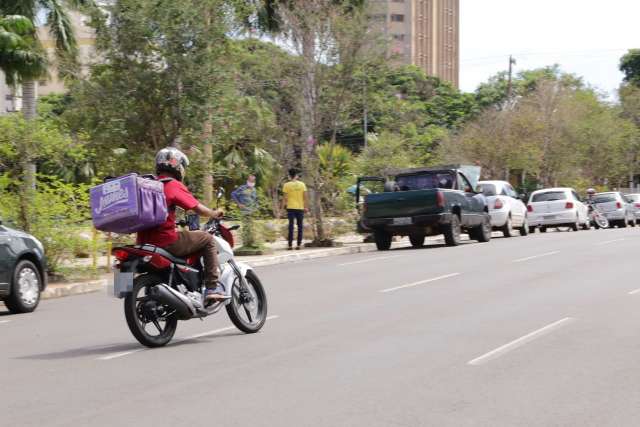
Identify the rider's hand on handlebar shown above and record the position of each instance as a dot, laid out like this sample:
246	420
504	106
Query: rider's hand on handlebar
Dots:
219	213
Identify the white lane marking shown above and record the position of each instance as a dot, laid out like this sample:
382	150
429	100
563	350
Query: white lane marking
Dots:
536	256
422	282
362	261
610	241
190	337
637	291
4	321
518	342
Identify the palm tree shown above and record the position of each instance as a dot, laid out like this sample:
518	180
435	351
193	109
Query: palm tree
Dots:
19	55
57	19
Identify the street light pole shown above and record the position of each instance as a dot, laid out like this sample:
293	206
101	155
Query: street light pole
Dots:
512	62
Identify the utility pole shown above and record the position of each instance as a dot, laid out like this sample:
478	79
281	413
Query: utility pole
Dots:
512	62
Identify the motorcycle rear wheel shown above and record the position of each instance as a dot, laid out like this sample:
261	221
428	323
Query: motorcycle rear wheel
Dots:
140	316
248	315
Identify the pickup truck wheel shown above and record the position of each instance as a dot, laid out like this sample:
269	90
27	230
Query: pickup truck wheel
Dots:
482	233
507	228
417	240
452	232
383	240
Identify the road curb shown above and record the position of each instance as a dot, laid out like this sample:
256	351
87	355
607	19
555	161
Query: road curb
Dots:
68	289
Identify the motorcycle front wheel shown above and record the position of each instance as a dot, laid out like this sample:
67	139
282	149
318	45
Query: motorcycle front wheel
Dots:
248	306
602	222
150	322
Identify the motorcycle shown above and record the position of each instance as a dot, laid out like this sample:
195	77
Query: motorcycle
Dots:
160	289
597	218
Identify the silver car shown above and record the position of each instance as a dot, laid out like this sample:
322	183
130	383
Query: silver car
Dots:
616	208
634	199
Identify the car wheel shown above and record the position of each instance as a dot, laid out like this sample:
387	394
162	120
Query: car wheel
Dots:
25	290
632	223
532	230
586	225
452	231
543	229
417	240
622	223
383	240
525	229
482	233
507	228
576	225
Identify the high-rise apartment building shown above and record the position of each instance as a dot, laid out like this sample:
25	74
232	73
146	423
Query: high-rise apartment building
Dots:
425	33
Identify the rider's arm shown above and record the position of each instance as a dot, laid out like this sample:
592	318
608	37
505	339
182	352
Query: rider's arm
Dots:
205	211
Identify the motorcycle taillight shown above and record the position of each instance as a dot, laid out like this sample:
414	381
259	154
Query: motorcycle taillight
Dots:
120	254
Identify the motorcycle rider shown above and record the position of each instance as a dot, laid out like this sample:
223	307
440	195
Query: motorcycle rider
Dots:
171	166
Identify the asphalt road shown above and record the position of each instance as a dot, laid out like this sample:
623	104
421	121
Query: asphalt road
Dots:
535	331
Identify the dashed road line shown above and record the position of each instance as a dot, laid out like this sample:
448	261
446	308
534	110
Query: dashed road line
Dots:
609	242
519	342
536	256
362	261
422	282
4	321
177	341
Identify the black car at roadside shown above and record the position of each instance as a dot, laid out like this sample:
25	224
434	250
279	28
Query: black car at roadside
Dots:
23	269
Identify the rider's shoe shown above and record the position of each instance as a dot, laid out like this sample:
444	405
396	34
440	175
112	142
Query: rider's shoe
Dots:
216	294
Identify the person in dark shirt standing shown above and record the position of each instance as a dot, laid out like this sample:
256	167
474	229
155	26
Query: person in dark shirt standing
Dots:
171	165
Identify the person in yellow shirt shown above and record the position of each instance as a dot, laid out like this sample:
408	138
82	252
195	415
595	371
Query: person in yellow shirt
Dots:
296	202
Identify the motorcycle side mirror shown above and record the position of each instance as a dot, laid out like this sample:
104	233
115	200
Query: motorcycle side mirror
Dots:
234	227
220	193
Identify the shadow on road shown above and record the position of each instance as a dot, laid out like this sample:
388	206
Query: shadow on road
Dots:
104	350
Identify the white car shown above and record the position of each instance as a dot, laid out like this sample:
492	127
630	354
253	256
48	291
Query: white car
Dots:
635	200
505	208
557	207
619	210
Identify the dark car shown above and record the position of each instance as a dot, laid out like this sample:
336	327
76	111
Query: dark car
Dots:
23	269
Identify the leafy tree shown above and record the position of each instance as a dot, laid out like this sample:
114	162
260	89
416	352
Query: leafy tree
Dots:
630	66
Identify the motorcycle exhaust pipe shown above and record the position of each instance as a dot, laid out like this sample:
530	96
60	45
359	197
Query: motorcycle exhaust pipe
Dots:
174	299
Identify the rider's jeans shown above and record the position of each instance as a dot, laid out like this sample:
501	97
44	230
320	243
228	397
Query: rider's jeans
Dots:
193	242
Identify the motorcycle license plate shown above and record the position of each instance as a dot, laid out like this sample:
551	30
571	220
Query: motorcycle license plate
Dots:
402	221
122	284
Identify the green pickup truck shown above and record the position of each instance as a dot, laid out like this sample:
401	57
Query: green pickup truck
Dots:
423	202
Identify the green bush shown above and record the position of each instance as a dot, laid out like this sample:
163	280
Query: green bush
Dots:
57	210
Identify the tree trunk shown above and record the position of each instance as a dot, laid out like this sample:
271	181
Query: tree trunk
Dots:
29	168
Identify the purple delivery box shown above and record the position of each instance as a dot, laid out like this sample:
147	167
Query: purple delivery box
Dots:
128	204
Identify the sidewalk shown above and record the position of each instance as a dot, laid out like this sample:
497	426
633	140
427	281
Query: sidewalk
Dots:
352	244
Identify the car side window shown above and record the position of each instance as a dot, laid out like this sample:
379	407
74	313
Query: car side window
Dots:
505	191
463	184
511	192
575	196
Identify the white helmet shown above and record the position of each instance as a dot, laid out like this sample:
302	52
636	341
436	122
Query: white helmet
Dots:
591	191
172	160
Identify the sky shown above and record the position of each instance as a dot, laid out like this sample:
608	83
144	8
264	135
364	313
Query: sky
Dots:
585	37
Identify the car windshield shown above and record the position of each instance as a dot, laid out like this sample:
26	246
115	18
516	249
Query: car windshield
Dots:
426	181
604	198
549	196
488	189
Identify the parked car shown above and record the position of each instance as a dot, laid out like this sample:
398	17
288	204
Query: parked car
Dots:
507	211
616	208
557	207
426	202
23	269
634	199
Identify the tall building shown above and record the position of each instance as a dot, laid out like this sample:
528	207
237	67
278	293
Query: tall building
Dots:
425	33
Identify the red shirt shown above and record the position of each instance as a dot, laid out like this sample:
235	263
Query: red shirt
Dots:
165	234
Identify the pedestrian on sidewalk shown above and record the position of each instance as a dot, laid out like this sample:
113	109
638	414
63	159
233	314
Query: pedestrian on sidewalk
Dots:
296	202
246	197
